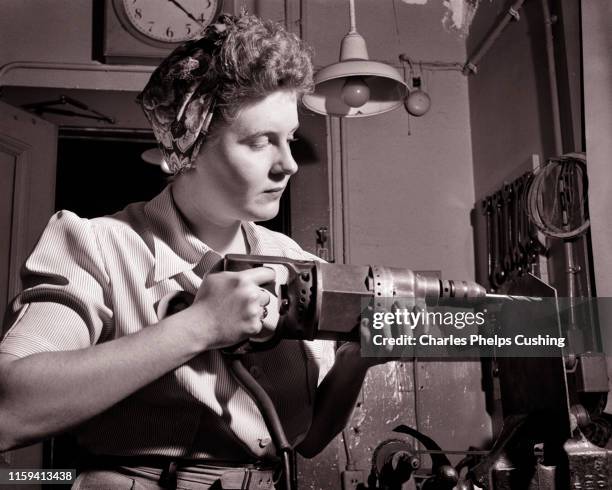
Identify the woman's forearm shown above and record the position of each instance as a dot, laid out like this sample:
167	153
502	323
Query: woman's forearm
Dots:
46	393
335	399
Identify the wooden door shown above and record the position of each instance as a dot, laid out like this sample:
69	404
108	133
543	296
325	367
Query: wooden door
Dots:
28	147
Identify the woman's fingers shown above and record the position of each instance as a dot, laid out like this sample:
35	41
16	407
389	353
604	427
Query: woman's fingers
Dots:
259	275
237	306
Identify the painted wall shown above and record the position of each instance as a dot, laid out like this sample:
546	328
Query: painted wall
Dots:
57	30
598	120
509	97
598	115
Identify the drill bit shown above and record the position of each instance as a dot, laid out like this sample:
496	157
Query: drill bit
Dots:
509	297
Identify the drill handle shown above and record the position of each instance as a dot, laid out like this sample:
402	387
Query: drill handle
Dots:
297	300
242	262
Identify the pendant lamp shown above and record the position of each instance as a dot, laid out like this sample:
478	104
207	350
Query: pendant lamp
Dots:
356	86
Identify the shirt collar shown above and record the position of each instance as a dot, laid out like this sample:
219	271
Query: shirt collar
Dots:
177	249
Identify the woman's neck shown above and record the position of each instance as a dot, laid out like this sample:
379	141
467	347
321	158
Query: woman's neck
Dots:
222	237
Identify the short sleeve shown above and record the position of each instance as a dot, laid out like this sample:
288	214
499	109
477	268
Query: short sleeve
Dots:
327	356
64	304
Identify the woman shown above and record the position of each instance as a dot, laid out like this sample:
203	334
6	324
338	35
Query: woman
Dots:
90	349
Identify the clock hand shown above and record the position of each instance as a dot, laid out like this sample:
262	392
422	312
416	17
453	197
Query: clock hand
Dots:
187	13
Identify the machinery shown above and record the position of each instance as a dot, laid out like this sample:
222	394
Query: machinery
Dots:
541	443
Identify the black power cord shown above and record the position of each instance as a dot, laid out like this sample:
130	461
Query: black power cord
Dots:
271	418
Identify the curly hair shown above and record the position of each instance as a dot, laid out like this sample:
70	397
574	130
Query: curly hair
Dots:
258	57
204	83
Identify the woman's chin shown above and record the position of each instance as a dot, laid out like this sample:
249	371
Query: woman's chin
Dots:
263	213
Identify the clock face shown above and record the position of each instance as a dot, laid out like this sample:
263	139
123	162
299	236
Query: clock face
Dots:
166	21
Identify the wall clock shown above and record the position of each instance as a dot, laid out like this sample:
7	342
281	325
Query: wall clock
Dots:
145	31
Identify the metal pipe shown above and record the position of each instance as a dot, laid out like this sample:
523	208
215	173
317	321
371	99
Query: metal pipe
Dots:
353	28
552	78
471	65
431	65
83	67
568	245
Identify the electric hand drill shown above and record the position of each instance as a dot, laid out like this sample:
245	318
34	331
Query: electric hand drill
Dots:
326	301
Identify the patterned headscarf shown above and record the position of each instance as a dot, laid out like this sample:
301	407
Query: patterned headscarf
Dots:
179	99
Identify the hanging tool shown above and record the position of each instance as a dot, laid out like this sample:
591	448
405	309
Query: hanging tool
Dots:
517	250
487	209
499	275
506	199
49	107
513	245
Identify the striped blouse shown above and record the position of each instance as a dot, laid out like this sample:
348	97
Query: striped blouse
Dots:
90	281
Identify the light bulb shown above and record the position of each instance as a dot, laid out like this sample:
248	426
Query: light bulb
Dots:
165	168
355	92
417	103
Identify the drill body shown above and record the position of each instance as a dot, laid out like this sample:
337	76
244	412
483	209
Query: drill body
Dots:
327	301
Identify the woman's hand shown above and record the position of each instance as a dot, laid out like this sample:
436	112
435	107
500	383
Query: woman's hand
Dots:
349	354
229	308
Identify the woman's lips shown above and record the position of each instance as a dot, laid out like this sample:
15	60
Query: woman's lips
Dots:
276	192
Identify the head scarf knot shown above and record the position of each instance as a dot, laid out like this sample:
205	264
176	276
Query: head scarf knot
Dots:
179	99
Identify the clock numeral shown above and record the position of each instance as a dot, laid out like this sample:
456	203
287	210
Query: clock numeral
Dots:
169	32
151	24
138	13
188	27
208	4
201	18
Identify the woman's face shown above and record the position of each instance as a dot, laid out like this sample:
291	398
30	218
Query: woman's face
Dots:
241	174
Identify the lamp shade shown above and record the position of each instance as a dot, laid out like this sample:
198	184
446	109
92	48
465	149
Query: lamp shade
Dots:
336	85
154	157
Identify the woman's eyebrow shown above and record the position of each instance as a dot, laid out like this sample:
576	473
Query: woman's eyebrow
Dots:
255	135
269	132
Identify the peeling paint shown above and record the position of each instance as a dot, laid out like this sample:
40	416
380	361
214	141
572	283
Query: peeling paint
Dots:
358	419
459	15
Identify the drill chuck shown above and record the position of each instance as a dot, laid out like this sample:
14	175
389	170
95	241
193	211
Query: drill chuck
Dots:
461	293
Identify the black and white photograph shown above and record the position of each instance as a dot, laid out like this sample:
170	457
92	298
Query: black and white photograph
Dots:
305	244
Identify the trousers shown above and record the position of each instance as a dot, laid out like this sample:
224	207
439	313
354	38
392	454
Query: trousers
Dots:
199	477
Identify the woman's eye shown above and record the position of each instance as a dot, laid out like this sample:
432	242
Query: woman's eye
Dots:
260	142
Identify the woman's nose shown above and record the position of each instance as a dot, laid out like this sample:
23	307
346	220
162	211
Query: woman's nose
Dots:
286	164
